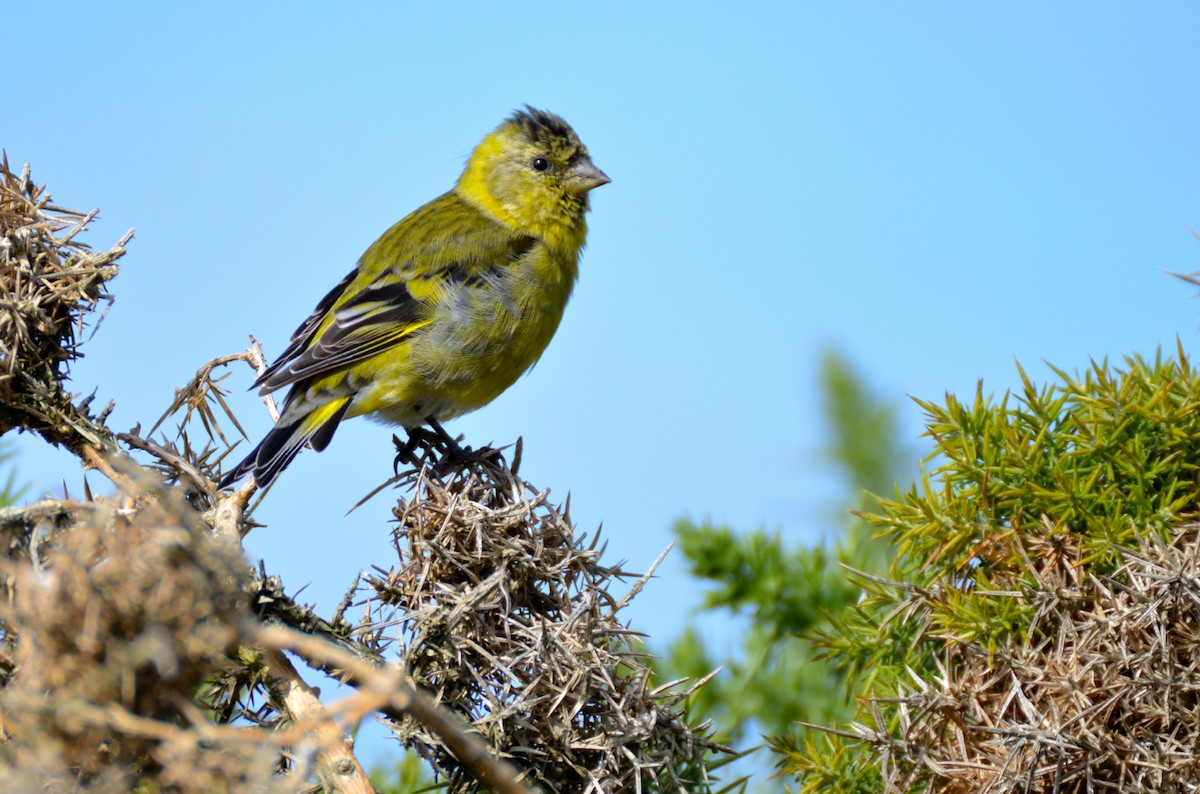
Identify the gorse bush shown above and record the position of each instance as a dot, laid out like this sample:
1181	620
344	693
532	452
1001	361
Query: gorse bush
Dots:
1036	631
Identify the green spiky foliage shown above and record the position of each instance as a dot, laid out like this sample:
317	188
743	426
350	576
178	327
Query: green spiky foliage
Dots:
1035	632
407	775
772	679
11	491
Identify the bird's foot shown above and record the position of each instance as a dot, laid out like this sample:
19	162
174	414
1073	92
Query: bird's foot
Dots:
441	452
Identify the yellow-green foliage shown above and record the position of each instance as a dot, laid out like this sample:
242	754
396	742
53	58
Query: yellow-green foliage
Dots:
1030	495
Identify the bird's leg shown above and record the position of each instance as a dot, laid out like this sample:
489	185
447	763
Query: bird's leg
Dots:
455	455
435	447
406	452
423	446
450	443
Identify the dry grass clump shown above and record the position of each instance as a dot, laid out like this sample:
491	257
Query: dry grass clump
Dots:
49	282
510	621
111	624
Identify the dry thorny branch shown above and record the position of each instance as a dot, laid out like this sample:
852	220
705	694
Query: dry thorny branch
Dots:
492	646
1103	699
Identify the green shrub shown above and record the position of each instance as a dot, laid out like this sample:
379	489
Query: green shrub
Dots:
1037	630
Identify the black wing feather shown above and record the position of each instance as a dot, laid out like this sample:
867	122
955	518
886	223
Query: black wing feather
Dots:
366	325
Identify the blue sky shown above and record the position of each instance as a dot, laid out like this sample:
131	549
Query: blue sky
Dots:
938	189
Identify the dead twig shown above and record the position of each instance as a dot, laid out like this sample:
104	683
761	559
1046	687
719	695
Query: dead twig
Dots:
389	691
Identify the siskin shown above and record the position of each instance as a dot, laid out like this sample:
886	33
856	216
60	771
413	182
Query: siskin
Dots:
450	306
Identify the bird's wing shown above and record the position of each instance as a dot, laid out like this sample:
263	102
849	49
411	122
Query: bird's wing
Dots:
304	334
369	322
350	325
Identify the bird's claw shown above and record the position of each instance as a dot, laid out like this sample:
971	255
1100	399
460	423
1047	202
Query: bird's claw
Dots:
436	448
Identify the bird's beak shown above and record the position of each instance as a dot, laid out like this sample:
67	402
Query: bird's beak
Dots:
583	176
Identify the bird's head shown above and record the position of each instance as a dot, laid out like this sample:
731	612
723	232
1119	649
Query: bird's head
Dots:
533	173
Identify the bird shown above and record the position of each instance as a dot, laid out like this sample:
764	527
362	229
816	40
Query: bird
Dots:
450	306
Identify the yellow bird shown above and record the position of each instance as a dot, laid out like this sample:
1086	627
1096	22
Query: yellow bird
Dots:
450	306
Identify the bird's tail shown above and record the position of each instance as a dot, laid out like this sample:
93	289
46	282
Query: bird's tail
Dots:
284	442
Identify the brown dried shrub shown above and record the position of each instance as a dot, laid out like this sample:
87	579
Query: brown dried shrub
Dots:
49	283
113	625
511	621
1106	699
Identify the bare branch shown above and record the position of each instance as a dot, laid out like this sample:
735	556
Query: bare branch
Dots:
336	765
389	691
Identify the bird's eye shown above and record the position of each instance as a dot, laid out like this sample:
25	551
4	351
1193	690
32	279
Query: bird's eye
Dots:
540	164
